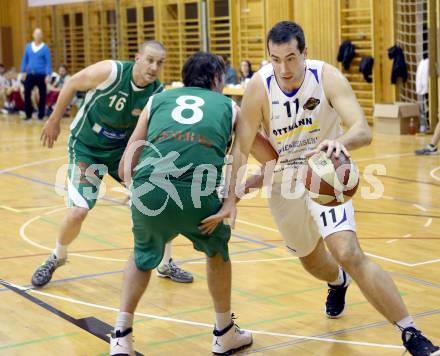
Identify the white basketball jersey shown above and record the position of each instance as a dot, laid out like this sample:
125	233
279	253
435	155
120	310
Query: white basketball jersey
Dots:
299	120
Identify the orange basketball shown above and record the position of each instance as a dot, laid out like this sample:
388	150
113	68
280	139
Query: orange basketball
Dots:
330	181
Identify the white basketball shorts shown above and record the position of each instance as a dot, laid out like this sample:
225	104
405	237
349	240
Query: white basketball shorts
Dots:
302	222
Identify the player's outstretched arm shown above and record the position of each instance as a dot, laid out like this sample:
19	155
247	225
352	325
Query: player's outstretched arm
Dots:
134	148
248	121
341	96
86	79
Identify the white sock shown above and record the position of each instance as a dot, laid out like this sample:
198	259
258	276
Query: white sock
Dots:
222	320
166	256
340	280
60	250
124	321
406	323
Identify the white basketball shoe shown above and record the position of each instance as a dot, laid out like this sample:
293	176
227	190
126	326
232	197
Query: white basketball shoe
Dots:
230	340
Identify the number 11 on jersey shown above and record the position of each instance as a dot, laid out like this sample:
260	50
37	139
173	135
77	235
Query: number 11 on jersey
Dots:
287	105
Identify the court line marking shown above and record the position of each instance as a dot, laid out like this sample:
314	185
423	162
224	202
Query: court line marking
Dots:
420	207
22	233
5	207
433	175
251	261
243	221
385	156
391	241
194	323
428	222
256	225
402	263
30	164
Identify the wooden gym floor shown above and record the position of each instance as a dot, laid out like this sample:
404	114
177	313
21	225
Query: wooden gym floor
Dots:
272	294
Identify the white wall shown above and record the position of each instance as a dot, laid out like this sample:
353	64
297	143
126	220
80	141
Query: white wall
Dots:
51	2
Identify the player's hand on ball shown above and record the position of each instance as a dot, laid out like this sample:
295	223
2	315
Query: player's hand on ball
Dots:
51	131
329	146
227	211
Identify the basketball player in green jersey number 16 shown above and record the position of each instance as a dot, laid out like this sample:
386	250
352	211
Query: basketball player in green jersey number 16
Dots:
117	91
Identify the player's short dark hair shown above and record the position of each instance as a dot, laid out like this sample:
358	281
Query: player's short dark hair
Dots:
151	43
201	69
284	32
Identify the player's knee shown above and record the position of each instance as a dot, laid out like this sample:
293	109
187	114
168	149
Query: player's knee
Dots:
349	257
77	215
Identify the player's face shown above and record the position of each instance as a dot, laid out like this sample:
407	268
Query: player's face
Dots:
288	62
149	63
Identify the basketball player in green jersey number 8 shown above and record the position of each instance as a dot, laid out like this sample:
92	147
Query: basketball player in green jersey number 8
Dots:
117	91
181	138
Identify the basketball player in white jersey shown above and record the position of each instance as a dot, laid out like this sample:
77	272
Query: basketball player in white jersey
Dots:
301	105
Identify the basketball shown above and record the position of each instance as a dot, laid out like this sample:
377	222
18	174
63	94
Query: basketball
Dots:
330	181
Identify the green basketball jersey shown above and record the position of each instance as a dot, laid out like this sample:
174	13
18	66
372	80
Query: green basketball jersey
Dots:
188	127
110	113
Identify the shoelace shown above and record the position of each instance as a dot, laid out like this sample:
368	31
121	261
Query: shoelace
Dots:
176	269
237	328
47	266
335	293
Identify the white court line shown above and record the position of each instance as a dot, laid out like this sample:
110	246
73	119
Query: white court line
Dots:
420	207
10	209
23	235
426	262
21	140
368	254
385	157
256	225
36	163
390	260
249	261
428	222
391	241
433	175
210	326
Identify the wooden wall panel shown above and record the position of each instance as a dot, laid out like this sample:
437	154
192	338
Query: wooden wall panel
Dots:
102	33
383	38
278	10
356	25
251	26
139	23
71	46
320	21
12	15
180	32
220	27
